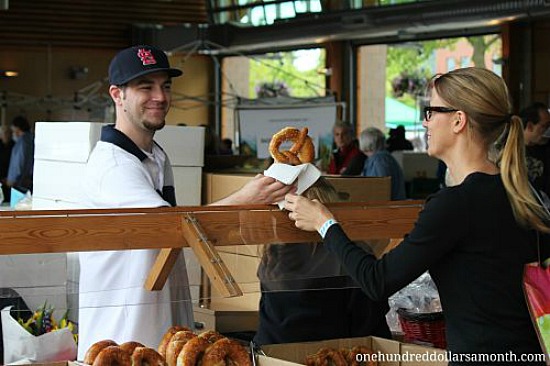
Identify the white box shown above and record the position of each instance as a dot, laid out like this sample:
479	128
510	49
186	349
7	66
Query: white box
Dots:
187	182
73	142
183	145
32	270
57	180
65	141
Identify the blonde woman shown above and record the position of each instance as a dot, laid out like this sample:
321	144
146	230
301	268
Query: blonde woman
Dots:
306	295
474	237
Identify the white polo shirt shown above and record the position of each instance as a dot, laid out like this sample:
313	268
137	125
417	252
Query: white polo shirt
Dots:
112	301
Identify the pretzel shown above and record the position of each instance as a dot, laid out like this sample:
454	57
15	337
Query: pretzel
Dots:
167	336
176	344
95	349
322	357
302	151
353	360
226	352
130	346
112	356
146	356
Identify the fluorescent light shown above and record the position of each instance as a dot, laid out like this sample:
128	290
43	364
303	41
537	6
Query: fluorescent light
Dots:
9	73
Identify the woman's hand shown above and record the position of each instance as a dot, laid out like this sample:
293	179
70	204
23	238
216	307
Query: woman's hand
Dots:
308	215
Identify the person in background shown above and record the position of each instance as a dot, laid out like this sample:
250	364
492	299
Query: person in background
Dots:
226	146
20	170
536	121
347	158
380	163
6	145
474	237
397	140
306	295
127	168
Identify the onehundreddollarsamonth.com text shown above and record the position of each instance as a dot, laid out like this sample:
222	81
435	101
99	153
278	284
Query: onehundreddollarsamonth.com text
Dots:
448	356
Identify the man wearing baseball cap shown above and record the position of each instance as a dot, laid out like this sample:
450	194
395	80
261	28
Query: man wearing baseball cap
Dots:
127	168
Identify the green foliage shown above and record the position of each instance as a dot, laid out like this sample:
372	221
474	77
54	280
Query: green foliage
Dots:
412	58
278	68
42	322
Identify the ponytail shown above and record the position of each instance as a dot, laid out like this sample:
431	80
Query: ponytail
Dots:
513	170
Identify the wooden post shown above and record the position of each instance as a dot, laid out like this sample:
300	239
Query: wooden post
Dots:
209	258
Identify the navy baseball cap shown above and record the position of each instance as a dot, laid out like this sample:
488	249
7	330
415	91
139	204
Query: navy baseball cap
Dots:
137	61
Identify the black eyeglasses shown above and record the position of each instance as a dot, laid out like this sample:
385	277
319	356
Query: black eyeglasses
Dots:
428	111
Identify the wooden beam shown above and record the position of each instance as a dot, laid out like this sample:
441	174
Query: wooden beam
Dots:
161	269
26	232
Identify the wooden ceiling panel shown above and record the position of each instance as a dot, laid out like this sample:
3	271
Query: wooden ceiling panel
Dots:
91	23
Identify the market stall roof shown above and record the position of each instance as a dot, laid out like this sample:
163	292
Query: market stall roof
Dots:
398	113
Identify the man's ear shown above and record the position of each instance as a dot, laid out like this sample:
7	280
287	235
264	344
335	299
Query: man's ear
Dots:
116	94
530	126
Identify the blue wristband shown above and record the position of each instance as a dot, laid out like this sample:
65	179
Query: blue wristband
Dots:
324	228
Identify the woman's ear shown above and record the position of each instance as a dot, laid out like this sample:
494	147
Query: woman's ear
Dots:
459	122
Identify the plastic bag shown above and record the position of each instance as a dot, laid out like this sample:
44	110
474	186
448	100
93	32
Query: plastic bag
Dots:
536	284
420	296
21	347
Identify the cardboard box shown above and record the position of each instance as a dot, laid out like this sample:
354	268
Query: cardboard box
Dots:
58	363
362	189
231	314
217	186
355	189
292	354
388	352
226	319
416	164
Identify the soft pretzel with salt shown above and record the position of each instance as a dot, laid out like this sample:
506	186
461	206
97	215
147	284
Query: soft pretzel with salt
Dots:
302	151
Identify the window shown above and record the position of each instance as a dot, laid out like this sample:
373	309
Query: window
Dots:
265	12
451	63
465	61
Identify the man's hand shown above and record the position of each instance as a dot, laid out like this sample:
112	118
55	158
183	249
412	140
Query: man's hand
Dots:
260	189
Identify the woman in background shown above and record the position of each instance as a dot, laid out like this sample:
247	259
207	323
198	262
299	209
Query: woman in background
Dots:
306	296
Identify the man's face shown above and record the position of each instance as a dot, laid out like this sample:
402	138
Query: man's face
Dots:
540	128
342	137
146	100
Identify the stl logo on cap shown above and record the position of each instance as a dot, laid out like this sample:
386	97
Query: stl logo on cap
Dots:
146	57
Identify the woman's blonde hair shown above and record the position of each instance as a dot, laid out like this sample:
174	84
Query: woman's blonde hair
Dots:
483	96
323	191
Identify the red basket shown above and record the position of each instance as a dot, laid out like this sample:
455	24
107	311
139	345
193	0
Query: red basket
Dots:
423	328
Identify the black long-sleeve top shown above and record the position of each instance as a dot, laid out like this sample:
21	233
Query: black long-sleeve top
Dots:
468	239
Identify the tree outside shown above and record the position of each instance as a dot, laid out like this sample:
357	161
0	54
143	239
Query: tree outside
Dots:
410	65
298	73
